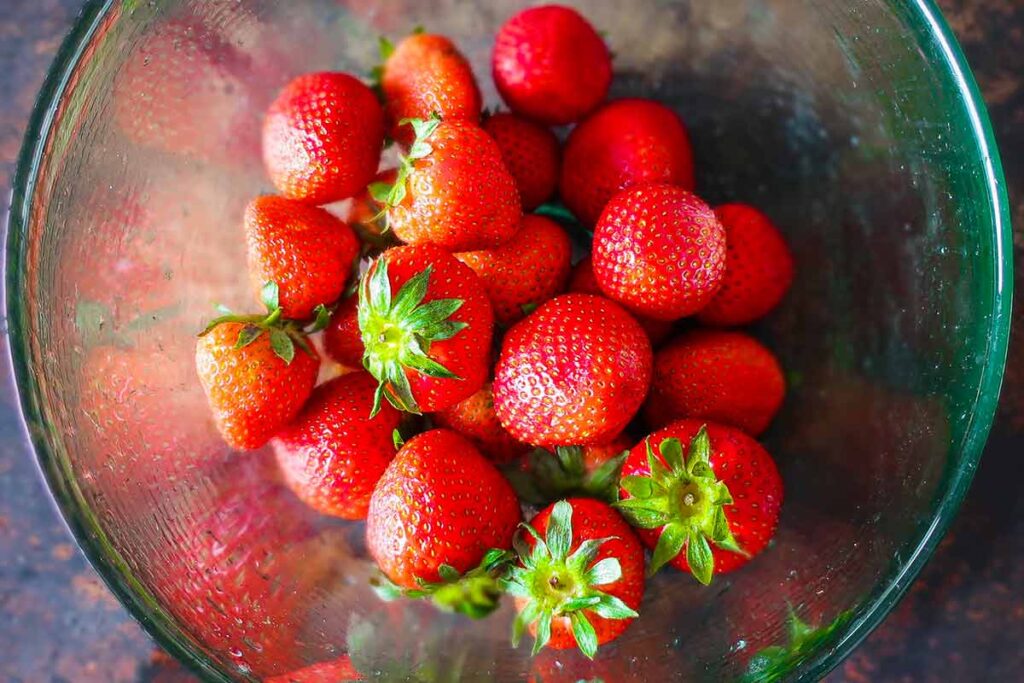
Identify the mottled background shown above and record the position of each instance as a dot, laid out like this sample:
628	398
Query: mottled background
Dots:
962	621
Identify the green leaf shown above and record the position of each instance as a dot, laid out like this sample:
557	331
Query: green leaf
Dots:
659	472
654	504
642	518
443	330
699	557
398	391
379	191
672	452
604	481
670	543
528	615
428	366
540	547
543	631
611	607
322	318
448	573
515	588
411	294
387	48
700	449
571	459
432	313
584	634
522	549
494	558
559	533
379	286
397	439
584	554
282	344
248	335
270	296
604	572
579	603
637	486
529	308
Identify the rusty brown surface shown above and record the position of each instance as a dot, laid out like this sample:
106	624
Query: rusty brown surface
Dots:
962	620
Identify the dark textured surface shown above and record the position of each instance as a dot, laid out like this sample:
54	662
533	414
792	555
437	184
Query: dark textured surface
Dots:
962	621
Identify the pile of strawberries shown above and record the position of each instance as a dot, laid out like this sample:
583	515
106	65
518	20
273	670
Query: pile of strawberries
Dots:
477	372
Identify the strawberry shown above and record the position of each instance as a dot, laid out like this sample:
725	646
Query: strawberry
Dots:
551	65
531	153
429	344
580	577
333	453
758	268
322	138
726	377
574	372
254	378
343	340
584	282
726	491
660	251
423	76
453	189
624	144
308	252
588	471
335	671
441	510
526	271
474	418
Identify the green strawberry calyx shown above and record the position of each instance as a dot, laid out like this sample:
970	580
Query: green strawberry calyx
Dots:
554	583
394	194
775	662
285	334
550	476
398	330
685	499
475	594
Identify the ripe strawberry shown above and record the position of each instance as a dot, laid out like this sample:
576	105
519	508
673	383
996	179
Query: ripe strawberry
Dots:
727	491
474	418
660	251
526	271
308	252
343	340
322	138
426	75
574	372
758	268
584	282
429	344
531	153
582	585
335	671
725	377
255	380
587	471
440	507
333	453
453	189
624	144
551	65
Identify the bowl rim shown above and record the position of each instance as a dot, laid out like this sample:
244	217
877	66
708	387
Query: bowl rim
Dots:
928	25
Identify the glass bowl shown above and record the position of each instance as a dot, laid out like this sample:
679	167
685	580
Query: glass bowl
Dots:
856	126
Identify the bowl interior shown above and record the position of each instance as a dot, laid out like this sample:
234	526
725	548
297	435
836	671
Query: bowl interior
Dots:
849	123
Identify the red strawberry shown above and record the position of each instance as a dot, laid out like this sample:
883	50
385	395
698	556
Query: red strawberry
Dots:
726	491
439	504
343	341
588	471
660	251
333	453
453	189
582	586
758	268
180	91
335	671
531	153
624	144
551	65
308	252
474	419
573	372
255	380
526	271
725	377
584	282
429	343
426	75
322	138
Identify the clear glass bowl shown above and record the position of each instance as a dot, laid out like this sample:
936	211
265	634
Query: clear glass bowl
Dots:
857	126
